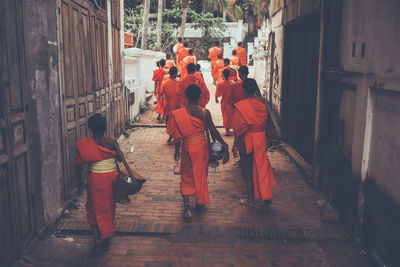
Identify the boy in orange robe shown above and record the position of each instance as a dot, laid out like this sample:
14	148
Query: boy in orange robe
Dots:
232	72
235	61
100	152
241	54
216	66
189	125
193	78
169	62
170	90
158	76
186	61
249	123
224	90
213	53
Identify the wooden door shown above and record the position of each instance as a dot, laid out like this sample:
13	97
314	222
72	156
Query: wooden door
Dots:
86	85
16	219
299	88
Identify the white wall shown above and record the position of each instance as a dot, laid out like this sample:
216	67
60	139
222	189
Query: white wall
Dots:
139	67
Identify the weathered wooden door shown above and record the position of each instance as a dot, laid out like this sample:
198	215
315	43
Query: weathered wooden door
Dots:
299	87
86	85
16	219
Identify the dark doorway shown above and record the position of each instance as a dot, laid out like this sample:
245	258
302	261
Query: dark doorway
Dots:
299	88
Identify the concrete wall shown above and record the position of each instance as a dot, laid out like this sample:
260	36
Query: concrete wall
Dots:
41	54
139	66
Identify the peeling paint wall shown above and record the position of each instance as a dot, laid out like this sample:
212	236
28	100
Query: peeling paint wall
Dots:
40	38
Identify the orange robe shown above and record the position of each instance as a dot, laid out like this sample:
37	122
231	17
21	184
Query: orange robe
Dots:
224	90
100	205
181	54
170	90
194	156
169	64
193	79
250	120
233	76
178	59
158	75
216	66
185	62
241	53
213	53
235	61
237	93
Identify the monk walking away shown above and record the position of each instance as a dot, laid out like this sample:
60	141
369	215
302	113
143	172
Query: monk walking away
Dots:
216	66
241	54
224	90
158	76
249	126
171	93
189	126
101	153
193	77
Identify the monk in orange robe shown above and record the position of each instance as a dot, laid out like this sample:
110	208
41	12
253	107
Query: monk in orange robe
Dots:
237	92
232	72
224	90
169	62
170	90
249	123
181	54
193	78
158	76
216	66
100	152
186	61
189	125
235	61
241	53
213	53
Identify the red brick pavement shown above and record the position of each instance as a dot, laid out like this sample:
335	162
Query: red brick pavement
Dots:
150	231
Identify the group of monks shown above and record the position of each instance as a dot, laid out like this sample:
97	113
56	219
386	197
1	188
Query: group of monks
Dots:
182	102
174	104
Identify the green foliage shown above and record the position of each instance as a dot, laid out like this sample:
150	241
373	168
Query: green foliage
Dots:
210	26
144	106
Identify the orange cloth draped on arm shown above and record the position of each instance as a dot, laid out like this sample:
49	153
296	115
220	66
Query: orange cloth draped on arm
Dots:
100	205
241	53
250	120
171	91
216	66
193	79
224	90
169	64
158	75
194	156
185	62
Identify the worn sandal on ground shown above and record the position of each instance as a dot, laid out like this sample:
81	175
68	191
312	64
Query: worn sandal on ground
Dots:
246	202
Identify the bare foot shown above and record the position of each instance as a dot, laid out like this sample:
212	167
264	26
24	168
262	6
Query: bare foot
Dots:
246	202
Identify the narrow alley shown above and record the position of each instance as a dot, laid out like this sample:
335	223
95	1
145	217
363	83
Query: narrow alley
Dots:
150	230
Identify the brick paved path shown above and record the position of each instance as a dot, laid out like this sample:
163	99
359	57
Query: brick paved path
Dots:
150	231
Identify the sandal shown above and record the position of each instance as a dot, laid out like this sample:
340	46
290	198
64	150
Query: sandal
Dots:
246	202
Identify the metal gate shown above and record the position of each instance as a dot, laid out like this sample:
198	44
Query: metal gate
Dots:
299	86
86	84
16	218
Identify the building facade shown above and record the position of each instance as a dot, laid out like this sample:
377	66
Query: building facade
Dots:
60	62
333	79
